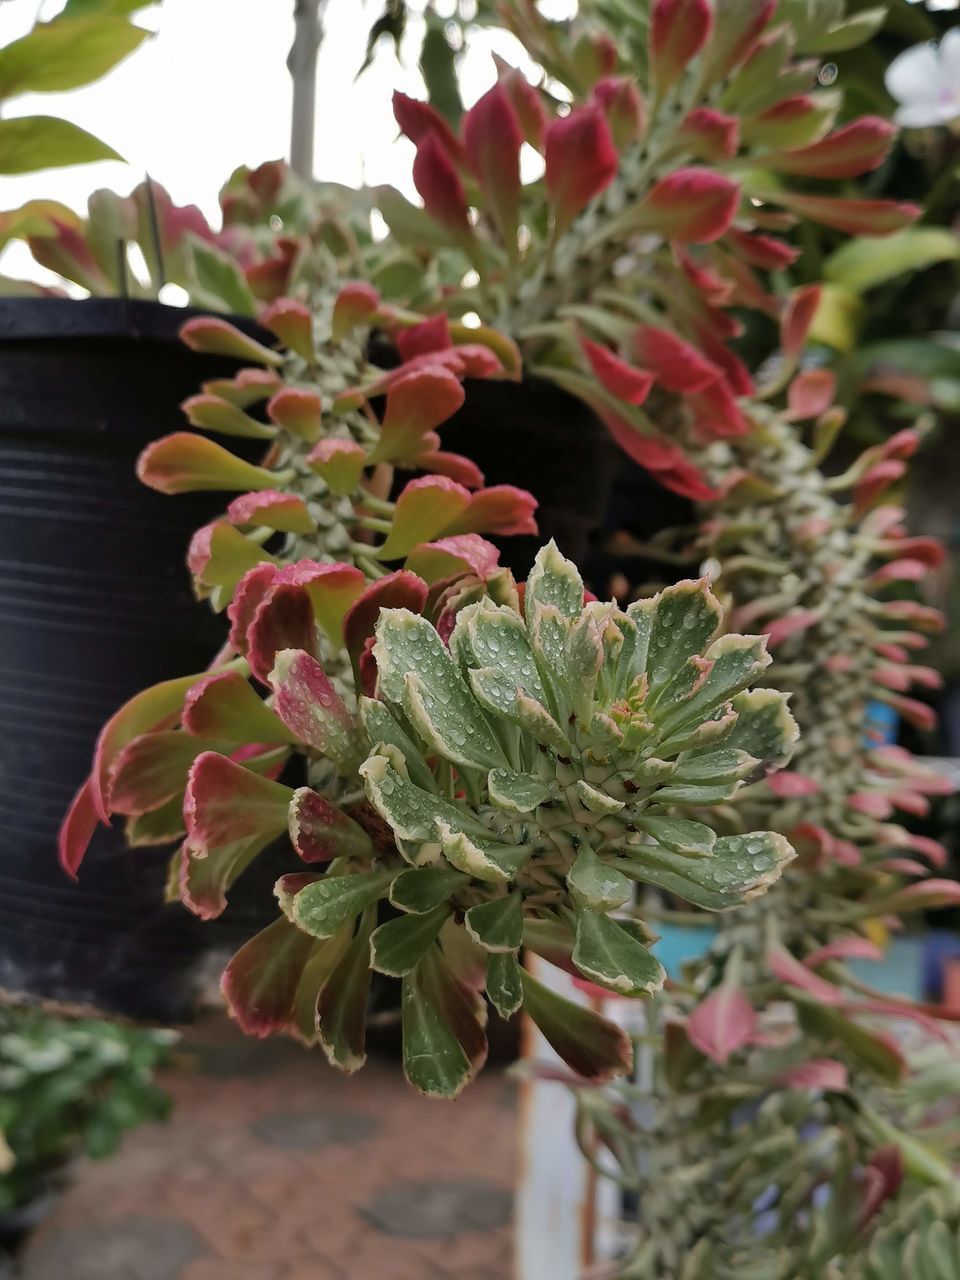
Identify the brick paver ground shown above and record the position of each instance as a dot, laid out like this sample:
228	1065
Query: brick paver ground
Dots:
274	1167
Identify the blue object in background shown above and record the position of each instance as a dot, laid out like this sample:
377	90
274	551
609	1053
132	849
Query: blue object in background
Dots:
880	724
910	967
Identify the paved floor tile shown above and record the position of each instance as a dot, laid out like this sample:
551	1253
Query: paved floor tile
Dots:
274	1167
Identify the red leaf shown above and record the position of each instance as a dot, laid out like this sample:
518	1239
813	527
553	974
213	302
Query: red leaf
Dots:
260	982
319	831
580	159
77	828
678	31
710	134
694	205
789	625
855	148
615	375
187	463
283	620
438	184
307	702
155	708
416	404
224	705
624	108
722	1024
356	304
881	1182
788	970
762	251
492	138
340	462
452	465
292	322
854	947
502	509
797	318
811	393
717	415
817	1073
450	557
399	590
923	616
873	803
676	364
297	411
284	512
788	785
432	334
220	338
526	103
225	803
418	119
856	217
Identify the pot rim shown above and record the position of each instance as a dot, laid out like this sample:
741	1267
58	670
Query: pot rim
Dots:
77	319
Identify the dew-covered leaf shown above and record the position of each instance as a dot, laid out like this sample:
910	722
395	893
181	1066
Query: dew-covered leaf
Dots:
555	581
397	946
407	644
517	792
597	885
322	907
607	954
444	1043
422	889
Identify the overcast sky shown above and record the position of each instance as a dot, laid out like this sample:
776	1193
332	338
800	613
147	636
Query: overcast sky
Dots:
211	91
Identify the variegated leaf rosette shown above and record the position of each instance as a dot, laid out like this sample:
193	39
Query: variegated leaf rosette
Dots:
528	776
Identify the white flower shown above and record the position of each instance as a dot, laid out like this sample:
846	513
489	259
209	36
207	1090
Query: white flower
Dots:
925	80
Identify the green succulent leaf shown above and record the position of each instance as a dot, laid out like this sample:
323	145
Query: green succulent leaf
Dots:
444	1044
321	908
739	868
341	1010
381	726
607	954
422	889
413	814
687	618
483	859
681	835
397	946
219	282
596	885
497	925
418	673
516	791
553	581
764	727
503	984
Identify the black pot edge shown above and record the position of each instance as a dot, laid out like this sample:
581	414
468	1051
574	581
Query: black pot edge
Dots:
30	319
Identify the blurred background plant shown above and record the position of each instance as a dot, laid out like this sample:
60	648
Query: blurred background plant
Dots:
68	1087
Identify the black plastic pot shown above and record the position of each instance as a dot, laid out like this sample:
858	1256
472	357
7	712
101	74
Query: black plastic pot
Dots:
534	435
96	604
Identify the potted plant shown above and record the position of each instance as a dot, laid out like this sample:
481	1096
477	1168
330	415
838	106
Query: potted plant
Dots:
69	1086
501	769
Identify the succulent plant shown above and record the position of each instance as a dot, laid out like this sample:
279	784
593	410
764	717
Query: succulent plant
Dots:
519	781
